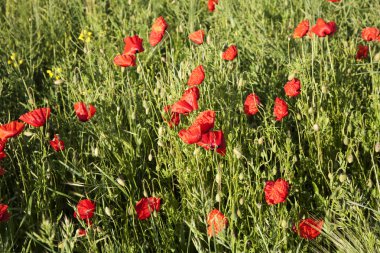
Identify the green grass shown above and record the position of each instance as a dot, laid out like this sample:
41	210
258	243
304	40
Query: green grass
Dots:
333	172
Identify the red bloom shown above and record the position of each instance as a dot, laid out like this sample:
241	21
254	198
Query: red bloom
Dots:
182	107
36	117
309	228
57	144
11	129
81	232
191	135
85	209
362	52
82	112
276	191
293	87
197	37
4	214
213	140
125	60
301	29
158	31
370	33
211	5
145	207
192	90
2	171
321	29
230	53
251	104
175	117
280	109
133	45
216	222
197	76
2	144
205	120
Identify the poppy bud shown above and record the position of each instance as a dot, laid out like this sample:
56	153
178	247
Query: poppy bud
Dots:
324	89
346	141
342	177
239	213
217	198
133	115
291	76
241	201
120	181
299	116
145	193
330	176
108	212
150	157
160	143
208	39
349	128
376	58
241	176
258	205
316	127
311	110
196	151
28	134
218	178
377	147
260	141
237	153
160	131
350	158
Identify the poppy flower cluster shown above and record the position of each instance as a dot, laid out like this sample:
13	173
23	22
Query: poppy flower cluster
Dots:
146	206
201	133
132	46
321	28
368	34
85	211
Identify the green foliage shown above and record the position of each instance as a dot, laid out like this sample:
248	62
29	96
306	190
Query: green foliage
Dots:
325	148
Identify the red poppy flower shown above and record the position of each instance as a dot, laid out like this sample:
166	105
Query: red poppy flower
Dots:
191	97
193	90
309	228
230	53
191	135
211	5
57	144
370	33
197	76
36	117
2	144
197	37
205	120
182	107
2	171
321	29
125	60
83	113
276	191
280	109
11	129
81	232
293	87
216	222
158	31
362	52
213	140
133	45
175	117
251	104
145	207
301	29
85	209
4	214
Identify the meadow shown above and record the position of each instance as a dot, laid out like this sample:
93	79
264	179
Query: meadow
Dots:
327	148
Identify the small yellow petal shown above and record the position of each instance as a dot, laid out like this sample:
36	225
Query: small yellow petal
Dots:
20	62
9	62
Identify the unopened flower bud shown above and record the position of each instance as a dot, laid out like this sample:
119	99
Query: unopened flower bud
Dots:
120	181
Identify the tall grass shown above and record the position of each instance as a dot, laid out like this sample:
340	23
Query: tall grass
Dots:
325	148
